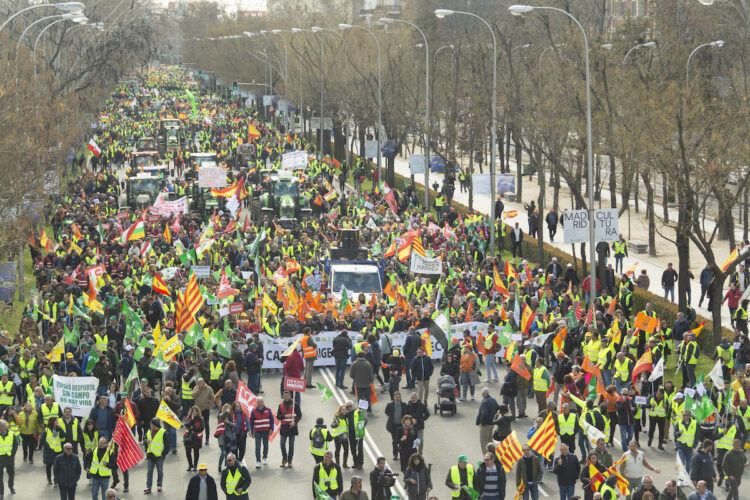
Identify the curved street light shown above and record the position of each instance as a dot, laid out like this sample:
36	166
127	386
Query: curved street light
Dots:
647	45
717	44
63	6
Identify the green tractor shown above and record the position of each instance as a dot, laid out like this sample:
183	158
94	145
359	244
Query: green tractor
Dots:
281	201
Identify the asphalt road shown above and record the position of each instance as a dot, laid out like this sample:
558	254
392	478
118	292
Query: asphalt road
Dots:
445	438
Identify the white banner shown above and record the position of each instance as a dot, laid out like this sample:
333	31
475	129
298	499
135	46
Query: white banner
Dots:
481	183
371	149
424	265
295	160
416	164
212	177
166	208
576	225
78	393
273	347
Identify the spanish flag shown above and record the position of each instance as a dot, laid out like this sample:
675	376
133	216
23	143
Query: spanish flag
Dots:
252	132
159	286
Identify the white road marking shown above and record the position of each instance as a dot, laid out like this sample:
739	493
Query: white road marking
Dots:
369	445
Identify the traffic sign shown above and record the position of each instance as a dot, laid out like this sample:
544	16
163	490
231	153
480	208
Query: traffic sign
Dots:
576	225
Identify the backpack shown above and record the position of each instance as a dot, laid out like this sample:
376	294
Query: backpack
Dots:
318	440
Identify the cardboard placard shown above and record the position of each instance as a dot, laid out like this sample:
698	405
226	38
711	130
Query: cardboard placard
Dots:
294	384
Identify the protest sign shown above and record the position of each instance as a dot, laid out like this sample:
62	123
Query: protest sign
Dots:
78	393
424	265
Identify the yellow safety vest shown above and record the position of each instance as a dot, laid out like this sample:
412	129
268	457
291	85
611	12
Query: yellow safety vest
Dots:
567	425
540	383
622	370
26	367
726	441
319	451
97	467
694	356
677	410
53	441
456	479
101	342
341	428
155	442
49	412
216	370
608	492
232	481
657	408
186	392
744	416
6	399
74	423
6	444
329	482
89	443
727	355
687	434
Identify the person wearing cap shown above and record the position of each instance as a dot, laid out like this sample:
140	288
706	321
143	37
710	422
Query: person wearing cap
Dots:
157	447
235	479
202	486
460	475
327	477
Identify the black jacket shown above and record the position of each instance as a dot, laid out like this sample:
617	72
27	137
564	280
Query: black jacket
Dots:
481	475
421	368
487	410
378	481
703	467
419	412
67	470
568	471
193	489
341	346
244	483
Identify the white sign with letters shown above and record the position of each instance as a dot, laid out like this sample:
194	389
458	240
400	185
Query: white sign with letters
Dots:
424	265
576	225
294	160
416	164
212	177
78	393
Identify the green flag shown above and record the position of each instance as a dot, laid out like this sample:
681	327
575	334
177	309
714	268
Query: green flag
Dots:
344	298
92	360
132	376
320	493
690	404
474	494
4	369
704	409
142	345
71	336
193	335
325	392
158	363
505	337
542	306
224	346
79	313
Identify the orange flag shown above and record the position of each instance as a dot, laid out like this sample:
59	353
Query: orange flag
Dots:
518	365
469	312
612	306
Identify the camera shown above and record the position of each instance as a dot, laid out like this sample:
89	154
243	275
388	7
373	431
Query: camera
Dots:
388	479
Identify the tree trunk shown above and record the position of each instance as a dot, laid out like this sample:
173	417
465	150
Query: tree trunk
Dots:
745	214
665	199
717	295
726	221
471	182
519	165
339	143
361	137
540	204
507	148
584	262
682	240
556	191
650	213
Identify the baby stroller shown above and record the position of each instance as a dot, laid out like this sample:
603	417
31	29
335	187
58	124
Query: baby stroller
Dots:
446	395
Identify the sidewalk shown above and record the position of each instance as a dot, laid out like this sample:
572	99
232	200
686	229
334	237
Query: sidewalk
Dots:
654	266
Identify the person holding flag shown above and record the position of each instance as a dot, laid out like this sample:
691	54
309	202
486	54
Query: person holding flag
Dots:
327	478
460	479
529	474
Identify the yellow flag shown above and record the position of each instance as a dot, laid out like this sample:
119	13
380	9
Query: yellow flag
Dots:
170	348
70	305
166	415
76	248
158	337
290	349
55	355
270	305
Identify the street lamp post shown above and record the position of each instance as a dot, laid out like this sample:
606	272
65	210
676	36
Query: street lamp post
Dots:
317	31
389	20
64	6
82	21
717	44
441	13
76	16
647	45
522	9
344	26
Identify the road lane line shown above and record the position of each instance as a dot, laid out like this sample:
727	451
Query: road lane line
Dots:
369	445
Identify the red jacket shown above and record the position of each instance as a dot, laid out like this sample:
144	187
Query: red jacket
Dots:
261	420
294	366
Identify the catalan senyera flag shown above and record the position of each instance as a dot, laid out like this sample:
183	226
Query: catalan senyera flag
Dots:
644	364
193	298
595	477
158	285
45	242
167	235
623	485
184	320
417	247
631	270
509	451
520	490
544	439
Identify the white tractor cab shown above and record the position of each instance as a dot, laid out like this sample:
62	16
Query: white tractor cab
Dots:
143	189
139	160
198	159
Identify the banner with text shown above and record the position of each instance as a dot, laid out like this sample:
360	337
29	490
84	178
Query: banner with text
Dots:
78	393
425	265
295	160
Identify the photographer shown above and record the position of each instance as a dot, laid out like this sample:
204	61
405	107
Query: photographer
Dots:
381	481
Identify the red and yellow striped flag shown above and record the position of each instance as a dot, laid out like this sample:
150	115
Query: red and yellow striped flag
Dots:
544	439
509	451
417	247
193	298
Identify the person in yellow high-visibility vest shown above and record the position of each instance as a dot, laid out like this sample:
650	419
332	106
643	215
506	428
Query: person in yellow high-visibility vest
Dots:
460	475
327	477
541	383
235	479
99	469
8	447
156	449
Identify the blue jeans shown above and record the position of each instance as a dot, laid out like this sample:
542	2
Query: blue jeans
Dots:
287	448
99	484
159	464
607	376
490	366
172	433
686	456
261	438
340	371
566	492
531	489
618	262
669	291
620	385
627	433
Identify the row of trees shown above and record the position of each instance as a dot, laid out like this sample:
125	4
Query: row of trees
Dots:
662	142
48	100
